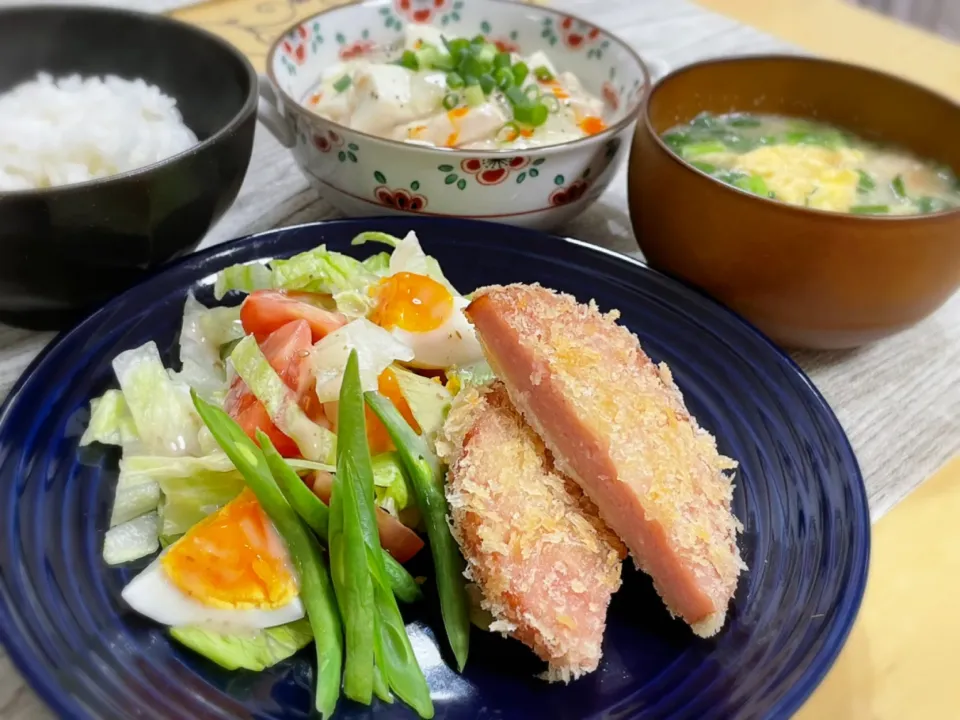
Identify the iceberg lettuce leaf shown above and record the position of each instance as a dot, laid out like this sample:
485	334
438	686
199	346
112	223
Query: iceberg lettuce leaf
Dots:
110	421
256	652
166	421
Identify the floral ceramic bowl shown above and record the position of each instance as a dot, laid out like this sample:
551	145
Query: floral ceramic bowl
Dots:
366	175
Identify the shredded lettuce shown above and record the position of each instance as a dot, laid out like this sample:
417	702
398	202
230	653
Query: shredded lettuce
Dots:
188	500
476	374
408	256
110	421
376	348
131	540
321	271
346	279
245	278
378	264
390	484
254	652
204	331
136	495
166	421
315	442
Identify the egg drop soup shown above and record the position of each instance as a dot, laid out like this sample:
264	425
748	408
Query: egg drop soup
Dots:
813	164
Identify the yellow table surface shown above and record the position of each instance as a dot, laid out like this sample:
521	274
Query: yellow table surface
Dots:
898	663
843	31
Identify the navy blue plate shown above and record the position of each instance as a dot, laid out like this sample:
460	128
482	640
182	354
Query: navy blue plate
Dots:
799	495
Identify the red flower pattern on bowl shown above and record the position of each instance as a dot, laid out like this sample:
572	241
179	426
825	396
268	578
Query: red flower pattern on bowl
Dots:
295	45
325	142
611	96
354	50
493	171
505	45
400	199
576	33
421	11
570	194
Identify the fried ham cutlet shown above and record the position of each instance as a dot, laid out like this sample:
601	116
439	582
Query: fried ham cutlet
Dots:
616	423
545	564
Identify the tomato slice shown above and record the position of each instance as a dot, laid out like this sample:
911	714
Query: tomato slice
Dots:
288	351
395	537
266	311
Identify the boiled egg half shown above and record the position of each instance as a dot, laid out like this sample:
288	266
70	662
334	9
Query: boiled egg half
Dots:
229	571
423	311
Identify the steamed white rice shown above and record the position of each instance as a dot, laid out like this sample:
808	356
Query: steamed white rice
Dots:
72	129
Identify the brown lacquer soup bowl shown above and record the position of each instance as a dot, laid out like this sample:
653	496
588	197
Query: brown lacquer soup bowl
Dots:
809	278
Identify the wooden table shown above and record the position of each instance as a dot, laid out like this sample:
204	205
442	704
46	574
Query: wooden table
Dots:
897	399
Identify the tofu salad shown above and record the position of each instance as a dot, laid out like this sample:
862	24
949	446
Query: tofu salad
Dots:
457	93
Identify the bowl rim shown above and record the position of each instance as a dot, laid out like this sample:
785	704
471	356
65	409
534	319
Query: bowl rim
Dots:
631	115
802	59
248	107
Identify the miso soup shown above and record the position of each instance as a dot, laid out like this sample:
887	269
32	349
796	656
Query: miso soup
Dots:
813	164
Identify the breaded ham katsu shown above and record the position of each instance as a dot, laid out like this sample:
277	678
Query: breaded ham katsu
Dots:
616	423
544	562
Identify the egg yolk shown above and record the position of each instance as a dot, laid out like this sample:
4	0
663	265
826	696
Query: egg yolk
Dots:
411	302
377	436
232	559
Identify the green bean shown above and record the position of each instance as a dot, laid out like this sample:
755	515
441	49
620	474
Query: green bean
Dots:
354	482
316	515
426	481
380	688
316	591
353	584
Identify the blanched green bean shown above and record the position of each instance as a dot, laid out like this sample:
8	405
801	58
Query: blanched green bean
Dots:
353	486
317	516
426	481
316	591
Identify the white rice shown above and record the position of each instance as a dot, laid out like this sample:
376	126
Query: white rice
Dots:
72	129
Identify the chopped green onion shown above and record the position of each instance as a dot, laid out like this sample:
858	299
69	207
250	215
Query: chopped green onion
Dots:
532	94
478	40
409	60
471	65
870	209
898	189
451	100
542	73
516	96
457	47
553	105
487	54
504	78
502	61
474	95
531	114
454	81
866	183
471	80
342	84
487	83
520	72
